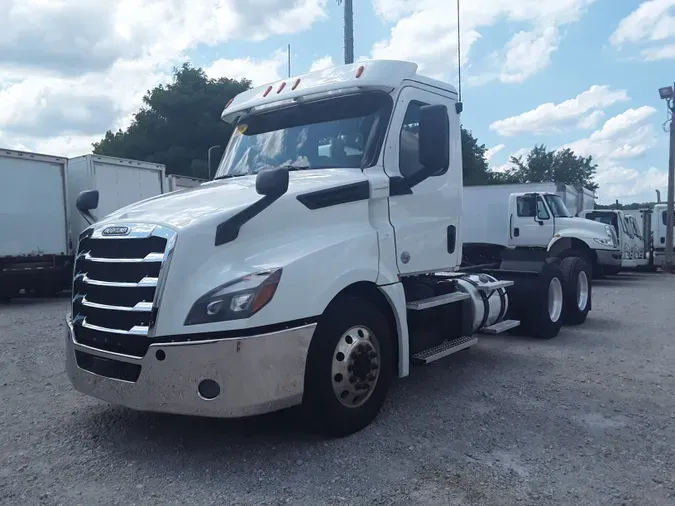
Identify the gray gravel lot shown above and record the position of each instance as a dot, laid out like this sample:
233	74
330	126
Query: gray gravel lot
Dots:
586	418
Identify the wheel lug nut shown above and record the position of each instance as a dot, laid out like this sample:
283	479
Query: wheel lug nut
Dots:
374	366
371	377
372	354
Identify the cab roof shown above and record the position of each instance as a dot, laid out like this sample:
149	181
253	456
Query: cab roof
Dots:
384	75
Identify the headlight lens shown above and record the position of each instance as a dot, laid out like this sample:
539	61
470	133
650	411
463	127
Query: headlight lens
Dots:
235	300
604	242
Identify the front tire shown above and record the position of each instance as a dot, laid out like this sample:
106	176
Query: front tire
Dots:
577	277
349	367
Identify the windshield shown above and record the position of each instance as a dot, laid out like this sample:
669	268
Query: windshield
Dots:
557	206
334	133
606	218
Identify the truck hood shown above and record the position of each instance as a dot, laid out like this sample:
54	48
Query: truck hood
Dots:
589	226
223	197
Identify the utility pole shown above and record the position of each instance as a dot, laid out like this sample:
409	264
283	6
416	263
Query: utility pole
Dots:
668	94
348	30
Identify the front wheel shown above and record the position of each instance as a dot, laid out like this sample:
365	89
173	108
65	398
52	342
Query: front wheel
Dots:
577	289
349	367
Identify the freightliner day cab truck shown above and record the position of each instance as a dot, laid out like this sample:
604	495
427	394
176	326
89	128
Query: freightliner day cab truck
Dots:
305	273
533	217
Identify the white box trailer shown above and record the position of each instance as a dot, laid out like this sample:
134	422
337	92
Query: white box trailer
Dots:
174	182
119	181
35	252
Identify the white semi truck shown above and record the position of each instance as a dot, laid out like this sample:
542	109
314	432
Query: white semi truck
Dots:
305	273
35	253
535	219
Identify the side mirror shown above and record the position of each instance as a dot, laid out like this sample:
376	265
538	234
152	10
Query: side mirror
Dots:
87	200
272	182
213	157
434	138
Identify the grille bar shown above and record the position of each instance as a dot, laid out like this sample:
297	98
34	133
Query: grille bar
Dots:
150	257
146	281
136	330
141	307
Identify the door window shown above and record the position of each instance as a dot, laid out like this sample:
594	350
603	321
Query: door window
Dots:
409	141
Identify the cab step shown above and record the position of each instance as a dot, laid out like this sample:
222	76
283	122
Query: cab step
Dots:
438	300
443	350
500	327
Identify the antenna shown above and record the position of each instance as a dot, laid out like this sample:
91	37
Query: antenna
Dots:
289	60
459	107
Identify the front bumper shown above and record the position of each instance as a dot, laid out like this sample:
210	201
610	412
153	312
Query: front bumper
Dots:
255	375
608	257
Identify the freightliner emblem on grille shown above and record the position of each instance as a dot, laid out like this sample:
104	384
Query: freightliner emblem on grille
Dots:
115	231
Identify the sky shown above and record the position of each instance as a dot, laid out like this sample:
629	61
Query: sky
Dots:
582	74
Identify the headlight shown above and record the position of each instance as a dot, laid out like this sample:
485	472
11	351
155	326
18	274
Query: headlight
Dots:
604	242
236	299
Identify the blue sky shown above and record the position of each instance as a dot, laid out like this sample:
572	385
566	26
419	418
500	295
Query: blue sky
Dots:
576	73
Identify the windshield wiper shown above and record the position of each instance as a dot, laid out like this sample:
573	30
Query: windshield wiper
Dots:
229	176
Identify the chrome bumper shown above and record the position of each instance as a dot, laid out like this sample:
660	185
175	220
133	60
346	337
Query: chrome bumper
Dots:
254	375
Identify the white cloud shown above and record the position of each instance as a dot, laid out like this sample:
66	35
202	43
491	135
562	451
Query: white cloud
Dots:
622	138
528	53
257	71
72	69
322	63
425	31
493	151
653	22
582	110
666	52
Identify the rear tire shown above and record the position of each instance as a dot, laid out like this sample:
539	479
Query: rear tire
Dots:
349	367
577	289
543	314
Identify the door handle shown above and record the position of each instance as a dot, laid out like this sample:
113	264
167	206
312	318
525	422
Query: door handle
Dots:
516	231
452	238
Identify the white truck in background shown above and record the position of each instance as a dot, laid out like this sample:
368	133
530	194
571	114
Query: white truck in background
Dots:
305	273
659	223
635	253
119	181
175	182
534	218
35	254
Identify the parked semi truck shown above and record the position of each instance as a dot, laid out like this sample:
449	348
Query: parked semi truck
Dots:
635	252
305	273
35	254
535	219
119	181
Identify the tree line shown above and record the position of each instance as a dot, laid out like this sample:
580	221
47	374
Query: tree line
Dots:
178	122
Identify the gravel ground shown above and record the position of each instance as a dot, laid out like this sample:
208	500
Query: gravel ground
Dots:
586	418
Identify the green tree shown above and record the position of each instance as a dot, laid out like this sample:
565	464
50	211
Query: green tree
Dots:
177	123
561	166
475	168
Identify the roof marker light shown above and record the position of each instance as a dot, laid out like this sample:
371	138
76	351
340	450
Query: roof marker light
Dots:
295	84
229	102
359	71
267	91
283	85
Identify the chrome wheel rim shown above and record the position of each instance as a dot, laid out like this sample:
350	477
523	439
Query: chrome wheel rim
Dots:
555	299
582	291
356	366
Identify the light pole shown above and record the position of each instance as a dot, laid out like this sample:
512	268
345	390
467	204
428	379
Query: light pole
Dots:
348	30
668	94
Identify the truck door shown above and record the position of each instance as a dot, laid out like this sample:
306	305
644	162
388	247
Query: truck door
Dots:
425	218
531	223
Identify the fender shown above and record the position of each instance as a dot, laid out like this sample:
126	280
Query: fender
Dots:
563	240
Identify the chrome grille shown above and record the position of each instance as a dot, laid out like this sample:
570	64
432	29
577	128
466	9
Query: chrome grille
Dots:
115	286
